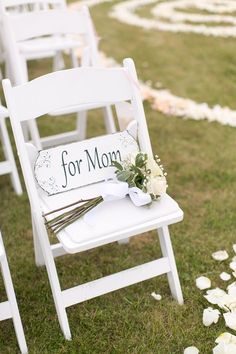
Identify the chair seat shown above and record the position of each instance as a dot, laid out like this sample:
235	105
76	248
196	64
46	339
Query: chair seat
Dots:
47	44
110	221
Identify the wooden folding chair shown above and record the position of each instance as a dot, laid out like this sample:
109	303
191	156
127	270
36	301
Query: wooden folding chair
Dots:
8	166
115	220
59	30
9	308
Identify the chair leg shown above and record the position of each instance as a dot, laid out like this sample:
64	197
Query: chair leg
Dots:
167	251
53	278
38	254
14	307
109	120
81	124
58	61
10	157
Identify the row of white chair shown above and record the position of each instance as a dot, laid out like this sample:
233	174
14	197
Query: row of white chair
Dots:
77	90
24	38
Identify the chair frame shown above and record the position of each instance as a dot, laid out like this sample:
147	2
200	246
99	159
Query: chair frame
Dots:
8	166
22	27
105	86
9	308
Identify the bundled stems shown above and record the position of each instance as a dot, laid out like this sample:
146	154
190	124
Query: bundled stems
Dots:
68	217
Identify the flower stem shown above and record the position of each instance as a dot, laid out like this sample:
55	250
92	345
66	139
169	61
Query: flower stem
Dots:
61	221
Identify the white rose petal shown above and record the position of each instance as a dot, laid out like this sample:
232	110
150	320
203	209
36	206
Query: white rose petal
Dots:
157	297
210	316
234	259
154	167
225	276
233	265
223	348
231	285
157	185
191	350
234	247
220	255
226	338
215	296
203	283
230	320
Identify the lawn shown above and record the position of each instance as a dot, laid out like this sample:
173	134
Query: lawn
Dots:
201	164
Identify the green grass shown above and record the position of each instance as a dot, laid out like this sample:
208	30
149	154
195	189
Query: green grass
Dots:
201	165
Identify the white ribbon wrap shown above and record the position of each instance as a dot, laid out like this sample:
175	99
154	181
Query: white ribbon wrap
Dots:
111	191
118	190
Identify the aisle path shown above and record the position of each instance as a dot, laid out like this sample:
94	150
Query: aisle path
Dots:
163	100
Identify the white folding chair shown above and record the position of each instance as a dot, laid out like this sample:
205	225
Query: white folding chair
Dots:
118	219
9	308
8	166
55	26
19	6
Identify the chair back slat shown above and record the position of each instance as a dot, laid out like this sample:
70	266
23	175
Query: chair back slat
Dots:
80	86
15	3
55	22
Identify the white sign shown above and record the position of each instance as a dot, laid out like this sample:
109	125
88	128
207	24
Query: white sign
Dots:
78	164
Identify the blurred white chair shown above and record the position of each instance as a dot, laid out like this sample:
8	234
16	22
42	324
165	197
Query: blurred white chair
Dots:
116	220
19	6
9	308
8	166
56	26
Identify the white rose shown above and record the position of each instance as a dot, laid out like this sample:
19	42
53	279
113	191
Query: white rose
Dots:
157	185
153	166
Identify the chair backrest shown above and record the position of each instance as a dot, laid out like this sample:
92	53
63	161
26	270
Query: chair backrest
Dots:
67	88
18	6
15	6
29	25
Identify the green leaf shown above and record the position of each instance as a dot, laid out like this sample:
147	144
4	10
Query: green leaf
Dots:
124	176
140	159
117	165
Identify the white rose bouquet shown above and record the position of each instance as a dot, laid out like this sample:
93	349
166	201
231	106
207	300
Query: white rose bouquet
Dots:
144	172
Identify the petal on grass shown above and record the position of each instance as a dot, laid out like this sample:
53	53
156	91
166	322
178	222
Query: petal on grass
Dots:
225	276
223	348
220	255
210	316
231	285
191	350
203	283
230	320
215	296
226	338
157	297
233	266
